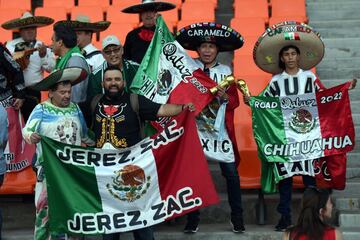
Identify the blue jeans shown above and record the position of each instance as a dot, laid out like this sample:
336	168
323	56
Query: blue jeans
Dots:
285	191
140	234
1	219
229	171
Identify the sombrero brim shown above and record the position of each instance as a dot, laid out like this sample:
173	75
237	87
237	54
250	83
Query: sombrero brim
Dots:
150	6
268	46
226	38
74	75
85	26
36	21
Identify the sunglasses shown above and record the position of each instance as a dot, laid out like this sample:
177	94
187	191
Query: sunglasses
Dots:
114	50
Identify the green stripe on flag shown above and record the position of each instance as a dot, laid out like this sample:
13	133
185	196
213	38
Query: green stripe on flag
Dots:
65	190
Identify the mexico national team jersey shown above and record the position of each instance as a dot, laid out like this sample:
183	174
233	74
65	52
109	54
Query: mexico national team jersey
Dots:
284	84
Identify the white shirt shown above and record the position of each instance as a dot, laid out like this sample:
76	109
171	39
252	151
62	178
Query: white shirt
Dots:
218	71
95	60
37	65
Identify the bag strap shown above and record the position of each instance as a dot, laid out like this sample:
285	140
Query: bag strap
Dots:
134	102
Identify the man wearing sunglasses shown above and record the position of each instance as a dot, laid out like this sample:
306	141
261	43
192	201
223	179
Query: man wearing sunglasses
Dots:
112	51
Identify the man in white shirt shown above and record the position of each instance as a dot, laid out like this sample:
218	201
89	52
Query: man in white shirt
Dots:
42	59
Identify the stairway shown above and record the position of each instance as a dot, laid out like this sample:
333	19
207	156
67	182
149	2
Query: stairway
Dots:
338	24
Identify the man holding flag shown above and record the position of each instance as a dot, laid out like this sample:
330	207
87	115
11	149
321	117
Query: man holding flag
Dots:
289	50
216	122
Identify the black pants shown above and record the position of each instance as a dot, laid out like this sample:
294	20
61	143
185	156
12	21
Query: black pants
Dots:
140	234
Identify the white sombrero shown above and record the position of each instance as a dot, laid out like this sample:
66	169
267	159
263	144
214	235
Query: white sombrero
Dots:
268	46
74	74
149	5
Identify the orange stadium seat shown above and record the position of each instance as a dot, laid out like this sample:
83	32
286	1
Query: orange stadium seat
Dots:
290	9
245	65
275	20
215	2
22	182
94	13
247	48
58	3
248	26
6	15
98	3
178	3
171	18
251	8
44	34
198	11
124	3
184	23
118	29
24	5
57	13
5	35
114	15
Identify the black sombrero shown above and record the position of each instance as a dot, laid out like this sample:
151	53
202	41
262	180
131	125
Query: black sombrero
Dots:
226	38
82	23
149	5
27	20
74	74
268	46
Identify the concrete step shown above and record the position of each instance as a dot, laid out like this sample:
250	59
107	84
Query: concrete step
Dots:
353	159
342	42
349	218
206	232
352	172
351	190
346	204
353	32
347	13
314	6
349	62
338	72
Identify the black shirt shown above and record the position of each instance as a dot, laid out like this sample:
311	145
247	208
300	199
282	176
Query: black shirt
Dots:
117	123
137	42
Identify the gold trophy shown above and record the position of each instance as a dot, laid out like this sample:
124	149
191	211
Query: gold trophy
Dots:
242	86
227	81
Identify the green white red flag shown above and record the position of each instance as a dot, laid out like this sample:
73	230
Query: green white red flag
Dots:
292	131
101	191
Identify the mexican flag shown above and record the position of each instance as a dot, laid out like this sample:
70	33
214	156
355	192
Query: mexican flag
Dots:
168	75
292	131
101	191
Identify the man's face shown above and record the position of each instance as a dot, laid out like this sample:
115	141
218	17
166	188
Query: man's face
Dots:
61	96
290	58
83	38
113	83
56	45
113	54
148	18
28	34
207	53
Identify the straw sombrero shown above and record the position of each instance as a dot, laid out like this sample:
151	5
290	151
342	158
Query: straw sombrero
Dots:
27	20
268	46
149	5
226	38
82	23
74	74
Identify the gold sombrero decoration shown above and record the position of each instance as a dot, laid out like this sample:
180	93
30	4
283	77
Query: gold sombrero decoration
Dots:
268	46
27	20
149	5
82	23
73	74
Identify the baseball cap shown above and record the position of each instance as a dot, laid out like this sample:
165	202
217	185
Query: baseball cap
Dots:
110	40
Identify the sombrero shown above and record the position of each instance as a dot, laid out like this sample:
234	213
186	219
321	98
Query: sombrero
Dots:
226	38
27	20
149	5
268	46
73	74
82	23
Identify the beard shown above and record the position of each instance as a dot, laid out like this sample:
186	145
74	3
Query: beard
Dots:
114	95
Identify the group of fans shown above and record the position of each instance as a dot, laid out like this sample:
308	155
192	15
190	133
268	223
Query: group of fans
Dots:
90	88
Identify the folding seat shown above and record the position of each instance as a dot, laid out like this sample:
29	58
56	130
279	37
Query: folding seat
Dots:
114	15
171	18
251	8
289	9
118	29
24	5
198	11
248	27
94	13
275	20
98	3
245	65
68	4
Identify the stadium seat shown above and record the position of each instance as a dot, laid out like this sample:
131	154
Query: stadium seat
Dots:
197	11
251	8
289	9
171	18
5	35
22	182
57	13
215	2
184	23
91	3
178	3
6	15
118	29
245	65
44	34
114	15
68	4
24	5
94	13
248	47
275	20
124	3
248	27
